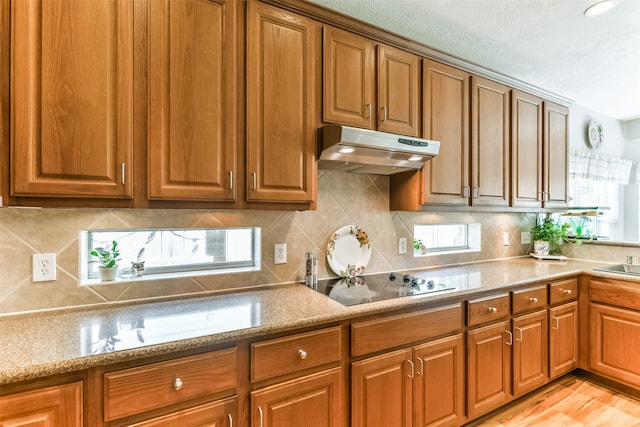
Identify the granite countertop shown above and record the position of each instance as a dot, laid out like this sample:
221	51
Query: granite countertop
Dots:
46	343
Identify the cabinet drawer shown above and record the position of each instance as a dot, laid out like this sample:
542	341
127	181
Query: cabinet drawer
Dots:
485	310
529	299
616	292
295	353
218	413
392	331
140	389
563	291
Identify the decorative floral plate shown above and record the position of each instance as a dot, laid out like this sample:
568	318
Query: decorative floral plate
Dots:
349	251
596	133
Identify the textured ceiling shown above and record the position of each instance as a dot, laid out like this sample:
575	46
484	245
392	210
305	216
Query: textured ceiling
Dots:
548	43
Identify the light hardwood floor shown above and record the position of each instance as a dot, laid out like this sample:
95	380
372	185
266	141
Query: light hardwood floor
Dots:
572	401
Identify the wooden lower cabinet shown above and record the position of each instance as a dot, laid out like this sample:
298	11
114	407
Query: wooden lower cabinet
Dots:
530	352
563	339
311	401
221	413
438	386
420	386
614	343
488	368
381	390
52	406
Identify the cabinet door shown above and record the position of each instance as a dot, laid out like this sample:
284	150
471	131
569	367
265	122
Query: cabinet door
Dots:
526	146
556	162
446	119
398	91
348	79
530	352
283	54
489	143
311	401
381	390
615	343
438	390
192	138
488	368
71	112
53	406
563	339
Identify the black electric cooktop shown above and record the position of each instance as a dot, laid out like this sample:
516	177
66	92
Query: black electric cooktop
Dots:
379	287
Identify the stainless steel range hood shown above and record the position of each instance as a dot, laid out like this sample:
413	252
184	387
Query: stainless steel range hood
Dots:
348	149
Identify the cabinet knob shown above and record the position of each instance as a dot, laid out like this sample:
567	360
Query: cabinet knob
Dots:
302	354
177	384
533	300
567	291
493	310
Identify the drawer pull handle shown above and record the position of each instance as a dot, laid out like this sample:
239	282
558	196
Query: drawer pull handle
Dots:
421	371
177	384
567	291
520	333
510	338
230	420
413	369
302	354
260	412
533	300
556	322
493	310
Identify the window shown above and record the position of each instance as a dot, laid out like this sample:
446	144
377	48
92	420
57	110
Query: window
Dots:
602	195
165	253
437	239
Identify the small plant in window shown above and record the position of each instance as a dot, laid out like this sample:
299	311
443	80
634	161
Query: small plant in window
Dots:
108	258
419	246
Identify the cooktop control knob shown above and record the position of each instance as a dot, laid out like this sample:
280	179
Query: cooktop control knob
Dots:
392	276
406	278
431	284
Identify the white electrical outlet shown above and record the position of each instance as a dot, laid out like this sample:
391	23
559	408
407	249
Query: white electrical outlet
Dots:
505	238
280	253
402	245
44	267
525	237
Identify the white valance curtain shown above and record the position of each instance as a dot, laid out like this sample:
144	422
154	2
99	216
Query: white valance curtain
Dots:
599	167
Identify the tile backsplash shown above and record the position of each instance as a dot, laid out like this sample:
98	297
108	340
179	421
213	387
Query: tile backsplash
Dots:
342	199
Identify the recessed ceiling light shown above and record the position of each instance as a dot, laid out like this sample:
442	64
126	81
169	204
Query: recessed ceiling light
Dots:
598	8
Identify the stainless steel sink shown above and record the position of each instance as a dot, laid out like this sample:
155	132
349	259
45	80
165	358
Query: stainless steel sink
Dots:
622	269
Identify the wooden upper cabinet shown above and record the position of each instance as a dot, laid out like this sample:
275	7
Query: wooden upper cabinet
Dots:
540	162
283	86
72	98
193	109
53	406
446	119
556	160
353	73
349	79
398	91
489	143
526	140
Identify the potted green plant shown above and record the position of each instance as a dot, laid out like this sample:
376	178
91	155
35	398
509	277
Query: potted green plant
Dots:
108	257
548	237
419	246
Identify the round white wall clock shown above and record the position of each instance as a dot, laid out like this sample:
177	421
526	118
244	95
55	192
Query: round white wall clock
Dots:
595	133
